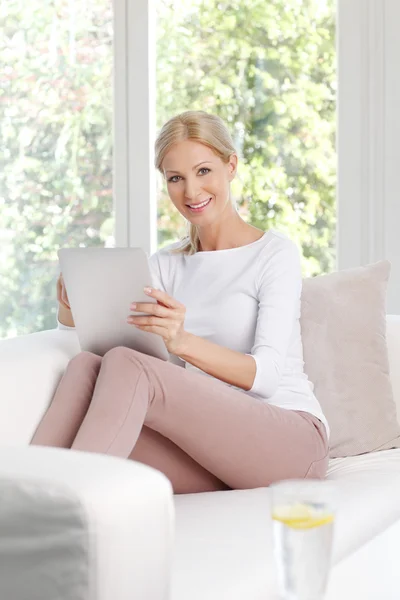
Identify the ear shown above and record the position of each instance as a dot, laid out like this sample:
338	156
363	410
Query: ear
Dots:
232	165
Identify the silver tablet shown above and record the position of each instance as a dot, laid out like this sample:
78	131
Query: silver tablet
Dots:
101	284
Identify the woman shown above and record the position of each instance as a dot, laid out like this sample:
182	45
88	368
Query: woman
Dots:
242	413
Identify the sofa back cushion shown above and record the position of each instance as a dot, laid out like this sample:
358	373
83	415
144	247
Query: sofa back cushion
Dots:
343	321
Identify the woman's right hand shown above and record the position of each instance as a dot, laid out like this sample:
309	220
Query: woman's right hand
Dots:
62	296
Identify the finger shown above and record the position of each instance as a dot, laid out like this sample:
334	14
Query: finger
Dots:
156	321
58	290
163	297
63	304
59	293
152	308
152	329
60	299
65	297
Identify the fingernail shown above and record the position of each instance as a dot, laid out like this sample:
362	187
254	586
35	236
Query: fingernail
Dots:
133	305
147	290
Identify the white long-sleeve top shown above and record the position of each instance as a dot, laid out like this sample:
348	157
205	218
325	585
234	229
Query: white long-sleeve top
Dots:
247	299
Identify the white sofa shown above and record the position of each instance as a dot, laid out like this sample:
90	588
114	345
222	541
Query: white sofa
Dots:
80	526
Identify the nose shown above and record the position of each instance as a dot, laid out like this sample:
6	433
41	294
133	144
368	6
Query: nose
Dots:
191	189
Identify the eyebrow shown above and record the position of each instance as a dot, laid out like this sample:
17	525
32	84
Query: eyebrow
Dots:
195	166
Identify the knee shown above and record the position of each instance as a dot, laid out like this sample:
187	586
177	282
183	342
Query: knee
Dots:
85	358
119	352
121	355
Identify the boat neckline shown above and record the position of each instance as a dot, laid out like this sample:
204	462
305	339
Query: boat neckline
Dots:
202	252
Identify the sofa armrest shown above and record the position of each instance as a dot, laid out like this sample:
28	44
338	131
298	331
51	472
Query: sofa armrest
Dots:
31	367
78	525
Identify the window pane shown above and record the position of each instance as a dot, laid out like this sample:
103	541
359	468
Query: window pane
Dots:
56	136
269	70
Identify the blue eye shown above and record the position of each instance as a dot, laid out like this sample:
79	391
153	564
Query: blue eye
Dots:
171	179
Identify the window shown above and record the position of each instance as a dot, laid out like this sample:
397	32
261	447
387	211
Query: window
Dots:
269	70
56	136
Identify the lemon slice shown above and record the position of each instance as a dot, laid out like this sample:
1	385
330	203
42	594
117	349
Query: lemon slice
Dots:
301	516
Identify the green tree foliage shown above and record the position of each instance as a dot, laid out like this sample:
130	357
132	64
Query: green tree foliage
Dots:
267	67
56	138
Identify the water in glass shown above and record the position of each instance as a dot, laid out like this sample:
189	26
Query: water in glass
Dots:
303	535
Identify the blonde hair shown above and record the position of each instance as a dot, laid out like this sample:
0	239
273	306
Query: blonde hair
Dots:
202	127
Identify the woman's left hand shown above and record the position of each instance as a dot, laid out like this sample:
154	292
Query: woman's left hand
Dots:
167	318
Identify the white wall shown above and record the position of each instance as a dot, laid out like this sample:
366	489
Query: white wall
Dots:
368	132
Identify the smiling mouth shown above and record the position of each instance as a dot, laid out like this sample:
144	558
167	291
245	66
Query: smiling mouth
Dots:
199	207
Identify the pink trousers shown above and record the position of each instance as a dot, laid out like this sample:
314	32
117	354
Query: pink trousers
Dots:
202	434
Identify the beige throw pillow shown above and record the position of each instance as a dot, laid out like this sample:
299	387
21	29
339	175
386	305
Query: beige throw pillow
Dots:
343	322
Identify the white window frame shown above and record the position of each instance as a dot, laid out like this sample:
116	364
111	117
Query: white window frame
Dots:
368	203
134	125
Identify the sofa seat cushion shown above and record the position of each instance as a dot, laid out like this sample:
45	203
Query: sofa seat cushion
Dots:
210	563
369	492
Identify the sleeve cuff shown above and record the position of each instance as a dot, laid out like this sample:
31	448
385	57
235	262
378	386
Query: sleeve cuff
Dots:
253	389
265	384
62	326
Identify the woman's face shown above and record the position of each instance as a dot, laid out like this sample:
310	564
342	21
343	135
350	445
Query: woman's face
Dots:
194	175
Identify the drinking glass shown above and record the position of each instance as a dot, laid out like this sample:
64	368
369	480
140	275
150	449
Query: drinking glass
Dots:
303	514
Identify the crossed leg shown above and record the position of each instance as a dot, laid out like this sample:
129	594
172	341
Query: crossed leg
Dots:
60	425
242	441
